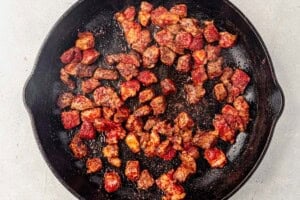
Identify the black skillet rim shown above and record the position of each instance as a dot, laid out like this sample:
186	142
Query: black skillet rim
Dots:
262	154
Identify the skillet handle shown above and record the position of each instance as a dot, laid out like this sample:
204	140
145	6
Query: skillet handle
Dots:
277	101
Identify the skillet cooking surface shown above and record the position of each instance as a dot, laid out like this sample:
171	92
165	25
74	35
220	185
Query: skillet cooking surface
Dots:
263	94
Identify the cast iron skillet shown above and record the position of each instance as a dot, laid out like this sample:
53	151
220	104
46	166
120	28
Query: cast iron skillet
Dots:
264	94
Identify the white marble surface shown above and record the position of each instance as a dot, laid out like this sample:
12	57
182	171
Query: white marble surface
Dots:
24	25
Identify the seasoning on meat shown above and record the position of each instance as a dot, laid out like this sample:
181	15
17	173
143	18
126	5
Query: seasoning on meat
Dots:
134	123
107	112
220	92
147	77
215	157
121	114
197	42
199	57
143	111
81	102
162	17
132	170
168	86
180	10
78	148
194	93
199	75
205	139
128	71
158	105
184	121
144	13
89	56
210	32
106	96
167	56
213	52
85	41
227	40
145	181
87	131
146	95
64	100
224	130
132	142
150	56
129	89
112	181
66	79
191	25
85	71
93	165
184	63
89	85
72	55
214	68
90	115
150	123
111	152
70	119
105	74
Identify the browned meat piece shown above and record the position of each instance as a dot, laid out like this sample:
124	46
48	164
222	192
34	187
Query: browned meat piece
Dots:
85	41
181	173
145	181
144	38
106	74
180	10
165	150
199	57
187	167
132	142
240	80
112	181
215	157
190	150
115	134
205	140
150	144
87	131
150	123
85	71
134	123
129	13
129	89
164	37
158	105
163	128
186	135
243	108
131	58
197	42
214	68
90	115
162	17
171	189
167	56
89	56
146	95
143	111
191	26
106	96
224	130
168	86
144	17
110	151
71	69
93	165
210	32
121	115
184	63
220	92
194	93
78	148
227	40
107	112
232	118
89	85
64	100
132	170
184	121
128	71
147	77
150	56
65	78
183	40
174	28
70	119
213	52
146	6
81	102
226	76
72	55
132	31
199	75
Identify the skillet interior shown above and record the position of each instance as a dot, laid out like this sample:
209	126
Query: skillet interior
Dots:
263	93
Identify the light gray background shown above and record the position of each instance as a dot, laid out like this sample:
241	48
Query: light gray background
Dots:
23	27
